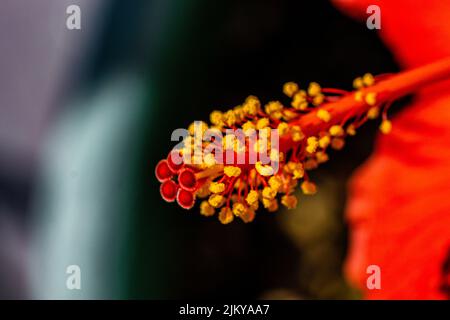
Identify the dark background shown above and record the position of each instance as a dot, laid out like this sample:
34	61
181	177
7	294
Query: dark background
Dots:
192	57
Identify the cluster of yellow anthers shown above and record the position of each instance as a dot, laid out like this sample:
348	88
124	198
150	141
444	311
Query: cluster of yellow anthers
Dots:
309	124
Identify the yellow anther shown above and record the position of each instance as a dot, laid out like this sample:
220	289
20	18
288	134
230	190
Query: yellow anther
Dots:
265	132
385	126
298	173
351	130
248	215
252	197
191	128
371	98
239	113
217	187
337	143
358	96
283	128
216	200
277	114
323	115
274	155
289	201
262	123
231	171
270	205
226	215
275	183
290	88
317	100
312	144
248	126
336	131
264	170
229	118
358	83
368	79
324	142
296	133
251	105
269	193
373	113
238	209
291	166
302	93
289	114
321	157
206	209
209	160
314	89
199	125
308	187
299	101
216	117
273	106
254	206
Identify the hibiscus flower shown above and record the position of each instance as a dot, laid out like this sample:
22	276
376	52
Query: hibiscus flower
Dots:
399	203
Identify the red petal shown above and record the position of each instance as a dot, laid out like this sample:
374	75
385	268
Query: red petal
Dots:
399	205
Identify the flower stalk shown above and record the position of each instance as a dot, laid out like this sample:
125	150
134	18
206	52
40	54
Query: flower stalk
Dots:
314	120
